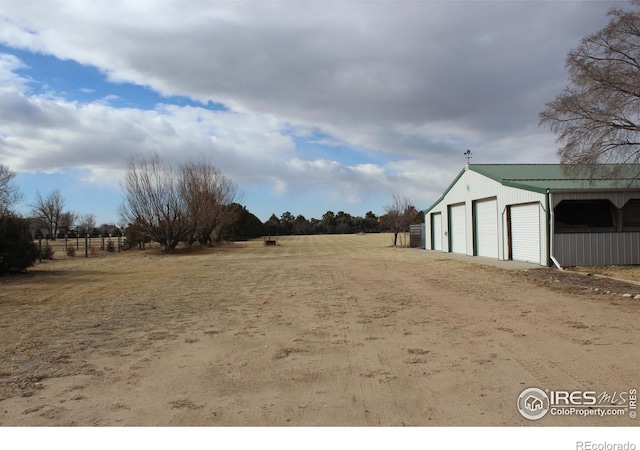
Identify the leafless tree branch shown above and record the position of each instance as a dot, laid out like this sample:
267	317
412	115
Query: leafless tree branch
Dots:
597	117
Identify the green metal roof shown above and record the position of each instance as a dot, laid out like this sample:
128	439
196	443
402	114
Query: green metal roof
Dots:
543	177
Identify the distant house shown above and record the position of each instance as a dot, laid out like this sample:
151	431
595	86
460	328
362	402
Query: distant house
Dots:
536	213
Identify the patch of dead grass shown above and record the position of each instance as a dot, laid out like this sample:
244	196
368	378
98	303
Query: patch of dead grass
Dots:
631	273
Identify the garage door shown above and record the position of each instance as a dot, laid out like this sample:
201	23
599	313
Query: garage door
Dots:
487	228
436	231
457	229
525	233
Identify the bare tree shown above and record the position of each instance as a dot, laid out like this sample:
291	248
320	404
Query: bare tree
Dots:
48	212
67	222
189	204
86	223
597	117
399	215
208	193
9	193
153	200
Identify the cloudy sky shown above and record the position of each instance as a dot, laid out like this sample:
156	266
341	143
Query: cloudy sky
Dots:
308	106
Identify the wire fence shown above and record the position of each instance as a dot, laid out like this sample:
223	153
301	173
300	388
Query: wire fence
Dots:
78	246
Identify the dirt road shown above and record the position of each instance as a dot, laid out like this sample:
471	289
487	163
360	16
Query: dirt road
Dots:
321	330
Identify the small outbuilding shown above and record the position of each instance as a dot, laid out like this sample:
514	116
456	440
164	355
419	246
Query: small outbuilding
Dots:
536	213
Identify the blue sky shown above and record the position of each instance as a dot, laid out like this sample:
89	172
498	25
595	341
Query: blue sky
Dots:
306	106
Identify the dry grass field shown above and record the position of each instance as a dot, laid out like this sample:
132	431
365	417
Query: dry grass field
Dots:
320	330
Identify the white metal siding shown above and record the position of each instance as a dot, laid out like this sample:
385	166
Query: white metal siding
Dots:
525	233
458	229
487	228
472	186
436	227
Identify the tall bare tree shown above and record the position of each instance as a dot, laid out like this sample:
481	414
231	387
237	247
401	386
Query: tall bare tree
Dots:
597	117
153	200
67	222
49	212
208	193
86	223
188	204
400	215
9	193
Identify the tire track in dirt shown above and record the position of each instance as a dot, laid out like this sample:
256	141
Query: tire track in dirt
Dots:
481	351
531	342
377	381
278	338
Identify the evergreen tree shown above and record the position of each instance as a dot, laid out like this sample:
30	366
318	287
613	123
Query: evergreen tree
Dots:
17	250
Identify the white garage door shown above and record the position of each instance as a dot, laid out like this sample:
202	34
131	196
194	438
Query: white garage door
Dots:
525	233
436	231
487	228
457	229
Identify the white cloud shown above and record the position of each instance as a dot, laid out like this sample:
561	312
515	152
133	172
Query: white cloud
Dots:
417	82
9	79
369	169
357	69
49	134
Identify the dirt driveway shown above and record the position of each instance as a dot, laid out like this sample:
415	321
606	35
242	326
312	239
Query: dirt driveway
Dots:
321	330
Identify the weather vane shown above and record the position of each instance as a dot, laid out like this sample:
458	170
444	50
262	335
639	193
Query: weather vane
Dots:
467	155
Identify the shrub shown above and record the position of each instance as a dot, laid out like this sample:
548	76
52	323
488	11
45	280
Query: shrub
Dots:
71	251
46	253
111	246
127	244
17	250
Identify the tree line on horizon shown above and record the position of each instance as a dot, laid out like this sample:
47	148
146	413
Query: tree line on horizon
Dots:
342	223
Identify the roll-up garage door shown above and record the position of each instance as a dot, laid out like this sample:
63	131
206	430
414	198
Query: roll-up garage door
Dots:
436	231
457	229
525	233
487	228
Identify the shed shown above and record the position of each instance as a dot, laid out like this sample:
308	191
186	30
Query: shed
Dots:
537	213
